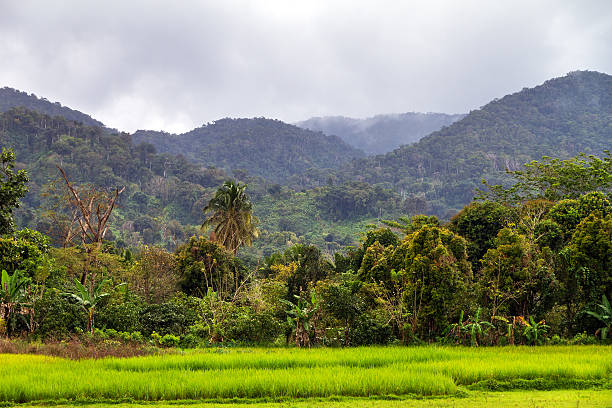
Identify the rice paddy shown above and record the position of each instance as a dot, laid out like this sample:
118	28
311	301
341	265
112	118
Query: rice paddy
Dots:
281	375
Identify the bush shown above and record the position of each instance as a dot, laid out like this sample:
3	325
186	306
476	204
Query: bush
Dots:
248	326
170	340
370	329
120	314
172	317
56	316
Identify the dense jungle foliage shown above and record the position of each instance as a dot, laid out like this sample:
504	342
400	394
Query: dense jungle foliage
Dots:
529	272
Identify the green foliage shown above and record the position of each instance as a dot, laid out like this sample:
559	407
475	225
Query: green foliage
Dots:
300	314
28	251
12	189
205	264
173	317
480	223
533	331
248	326
561	118
56	317
13	294
590	252
356	199
517	277
88	298
554	179
429	280
300	267
10	98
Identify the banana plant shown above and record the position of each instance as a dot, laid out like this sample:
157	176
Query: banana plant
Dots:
89	299
13	293
457	330
477	328
300	314
534	331
605	316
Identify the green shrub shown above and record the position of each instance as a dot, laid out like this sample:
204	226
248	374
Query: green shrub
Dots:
370	329
120	314
170	340
248	326
167	318
56	316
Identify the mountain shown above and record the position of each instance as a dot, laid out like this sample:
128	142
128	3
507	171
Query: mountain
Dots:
561	118
381	133
12	98
263	147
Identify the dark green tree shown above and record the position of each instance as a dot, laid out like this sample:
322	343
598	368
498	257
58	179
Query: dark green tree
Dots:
12	189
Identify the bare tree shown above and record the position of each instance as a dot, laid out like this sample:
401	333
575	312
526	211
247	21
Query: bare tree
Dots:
91	211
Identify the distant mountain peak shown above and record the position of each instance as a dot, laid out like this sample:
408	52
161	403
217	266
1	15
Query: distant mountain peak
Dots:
380	133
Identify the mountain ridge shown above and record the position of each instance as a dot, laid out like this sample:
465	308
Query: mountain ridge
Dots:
561	117
268	148
13	98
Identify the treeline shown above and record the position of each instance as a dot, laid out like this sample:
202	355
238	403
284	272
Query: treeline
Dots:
532	264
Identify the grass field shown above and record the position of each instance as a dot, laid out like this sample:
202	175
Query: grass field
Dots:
370	376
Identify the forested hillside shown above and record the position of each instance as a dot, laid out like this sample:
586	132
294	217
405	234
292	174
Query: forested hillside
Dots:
263	147
165	194
562	117
12	98
381	133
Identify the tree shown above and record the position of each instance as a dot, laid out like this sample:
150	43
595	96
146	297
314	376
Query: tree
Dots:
89	299
232	217
429	277
12	189
207	265
554	179
91	212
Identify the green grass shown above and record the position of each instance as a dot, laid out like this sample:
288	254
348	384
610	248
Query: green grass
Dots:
284	374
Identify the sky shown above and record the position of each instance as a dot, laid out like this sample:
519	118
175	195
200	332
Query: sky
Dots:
175	65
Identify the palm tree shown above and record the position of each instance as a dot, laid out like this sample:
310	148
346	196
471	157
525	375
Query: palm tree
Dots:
88	299
232	220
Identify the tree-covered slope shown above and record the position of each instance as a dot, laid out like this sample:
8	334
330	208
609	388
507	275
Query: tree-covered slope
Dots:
562	117
164	194
381	133
268	148
12	98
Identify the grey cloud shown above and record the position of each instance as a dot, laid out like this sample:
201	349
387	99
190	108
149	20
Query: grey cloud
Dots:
175	65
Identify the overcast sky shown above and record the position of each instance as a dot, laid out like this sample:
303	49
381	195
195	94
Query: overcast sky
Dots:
174	65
